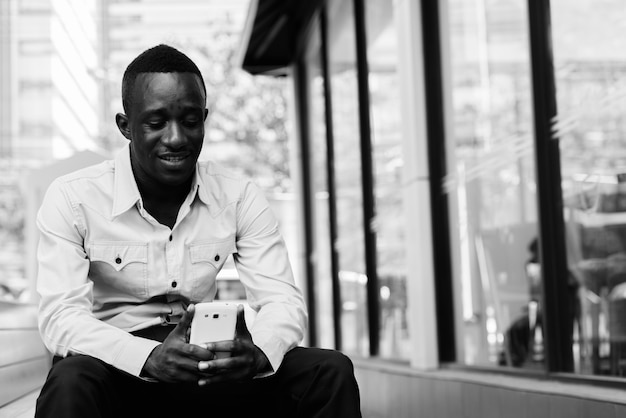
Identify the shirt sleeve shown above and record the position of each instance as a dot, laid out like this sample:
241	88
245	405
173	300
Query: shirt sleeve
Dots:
66	321
264	269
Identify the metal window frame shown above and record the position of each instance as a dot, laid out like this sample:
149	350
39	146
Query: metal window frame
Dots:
367	180
558	342
435	126
303	115
330	176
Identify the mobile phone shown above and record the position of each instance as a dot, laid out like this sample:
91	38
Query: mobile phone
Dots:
213	321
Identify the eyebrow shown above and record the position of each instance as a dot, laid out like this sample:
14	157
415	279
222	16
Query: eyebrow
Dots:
161	111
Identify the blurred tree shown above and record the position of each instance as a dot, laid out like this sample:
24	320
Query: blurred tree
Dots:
246	128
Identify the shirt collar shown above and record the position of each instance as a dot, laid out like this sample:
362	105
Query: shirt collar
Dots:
198	186
125	190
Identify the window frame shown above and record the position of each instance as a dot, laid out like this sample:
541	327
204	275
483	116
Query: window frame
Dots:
558	343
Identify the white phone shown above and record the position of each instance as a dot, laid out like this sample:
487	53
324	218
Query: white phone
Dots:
213	321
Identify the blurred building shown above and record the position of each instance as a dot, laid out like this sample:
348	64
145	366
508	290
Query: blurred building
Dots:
50	95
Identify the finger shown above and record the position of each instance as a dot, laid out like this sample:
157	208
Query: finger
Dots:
198	352
191	366
220	346
217	366
241	329
185	321
185	370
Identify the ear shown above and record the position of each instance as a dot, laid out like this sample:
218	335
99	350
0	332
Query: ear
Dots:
206	113
121	120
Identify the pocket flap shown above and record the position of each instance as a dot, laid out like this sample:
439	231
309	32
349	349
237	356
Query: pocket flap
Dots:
119	255
214	253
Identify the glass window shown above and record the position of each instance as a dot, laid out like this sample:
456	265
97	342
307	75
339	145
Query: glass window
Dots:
382	55
348	181
319	187
590	72
491	185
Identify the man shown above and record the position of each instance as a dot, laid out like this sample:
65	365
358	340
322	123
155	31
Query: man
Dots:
130	245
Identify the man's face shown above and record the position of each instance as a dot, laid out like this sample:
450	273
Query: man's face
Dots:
165	126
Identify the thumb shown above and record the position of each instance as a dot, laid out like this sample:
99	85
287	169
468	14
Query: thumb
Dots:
183	325
241	329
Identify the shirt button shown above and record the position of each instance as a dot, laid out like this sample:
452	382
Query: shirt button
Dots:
217	257
170	237
118	260
174	284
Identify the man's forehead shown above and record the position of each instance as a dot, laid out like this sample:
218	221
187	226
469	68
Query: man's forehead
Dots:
156	78
154	92
150	86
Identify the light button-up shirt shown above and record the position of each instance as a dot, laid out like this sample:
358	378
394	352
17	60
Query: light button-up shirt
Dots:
107	267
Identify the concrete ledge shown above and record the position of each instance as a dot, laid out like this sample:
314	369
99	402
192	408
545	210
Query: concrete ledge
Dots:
600	391
24	360
23	407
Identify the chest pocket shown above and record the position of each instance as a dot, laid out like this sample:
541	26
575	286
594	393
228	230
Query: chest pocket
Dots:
120	265
207	259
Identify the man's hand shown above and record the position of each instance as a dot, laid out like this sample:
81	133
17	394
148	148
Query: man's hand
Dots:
245	362
175	360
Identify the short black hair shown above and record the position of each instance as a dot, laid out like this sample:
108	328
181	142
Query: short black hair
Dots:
158	59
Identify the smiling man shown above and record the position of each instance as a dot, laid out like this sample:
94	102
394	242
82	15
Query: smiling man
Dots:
130	245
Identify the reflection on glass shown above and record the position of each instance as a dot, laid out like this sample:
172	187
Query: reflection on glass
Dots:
590	70
382	55
491	186
350	240
319	185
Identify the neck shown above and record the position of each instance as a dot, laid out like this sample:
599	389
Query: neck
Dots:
163	193
163	202
151	190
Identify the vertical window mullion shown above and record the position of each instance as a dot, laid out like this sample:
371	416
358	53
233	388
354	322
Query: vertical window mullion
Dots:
558	341
330	168
433	75
373	304
303	110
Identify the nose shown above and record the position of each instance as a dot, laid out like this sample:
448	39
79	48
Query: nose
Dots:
174	137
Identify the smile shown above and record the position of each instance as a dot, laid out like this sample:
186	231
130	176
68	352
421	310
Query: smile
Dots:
173	158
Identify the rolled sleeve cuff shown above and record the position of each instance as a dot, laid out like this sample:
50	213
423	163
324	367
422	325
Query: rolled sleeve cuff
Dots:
273	348
133	356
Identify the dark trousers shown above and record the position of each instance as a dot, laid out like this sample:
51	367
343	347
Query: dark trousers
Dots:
310	382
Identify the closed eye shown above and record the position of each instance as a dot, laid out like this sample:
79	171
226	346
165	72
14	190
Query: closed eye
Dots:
192	123
156	123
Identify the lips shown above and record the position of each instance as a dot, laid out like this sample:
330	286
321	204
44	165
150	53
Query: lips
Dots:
174	157
174	160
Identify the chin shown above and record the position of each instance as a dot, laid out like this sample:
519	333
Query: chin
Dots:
176	182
